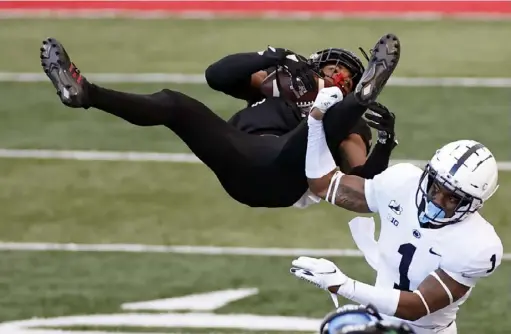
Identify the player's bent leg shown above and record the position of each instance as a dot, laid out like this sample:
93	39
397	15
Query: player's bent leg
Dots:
340	119
227	151
217	143
209	136
338	122
231	154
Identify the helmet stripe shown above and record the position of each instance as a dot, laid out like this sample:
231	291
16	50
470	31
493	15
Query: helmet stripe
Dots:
464	158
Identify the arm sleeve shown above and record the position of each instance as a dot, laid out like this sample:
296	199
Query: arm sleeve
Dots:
379	158
376	163
232	74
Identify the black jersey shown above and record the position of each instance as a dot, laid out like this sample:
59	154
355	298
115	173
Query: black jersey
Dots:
275	116
270	116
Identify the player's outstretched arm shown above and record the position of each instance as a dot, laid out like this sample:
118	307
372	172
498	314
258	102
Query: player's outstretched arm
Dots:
240	75
437	291
323	176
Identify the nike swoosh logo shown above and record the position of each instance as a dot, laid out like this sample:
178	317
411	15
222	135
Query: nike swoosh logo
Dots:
431	251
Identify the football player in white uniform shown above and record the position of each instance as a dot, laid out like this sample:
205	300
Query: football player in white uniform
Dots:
433	246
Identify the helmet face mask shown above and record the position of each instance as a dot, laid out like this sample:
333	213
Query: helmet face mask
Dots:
431	212
358	319
335	321
338	57
455	183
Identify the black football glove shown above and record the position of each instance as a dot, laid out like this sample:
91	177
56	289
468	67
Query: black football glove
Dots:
384	121
297	66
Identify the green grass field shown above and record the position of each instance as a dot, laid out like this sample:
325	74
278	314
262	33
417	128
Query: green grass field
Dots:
183	204
53	284
436	49
427	118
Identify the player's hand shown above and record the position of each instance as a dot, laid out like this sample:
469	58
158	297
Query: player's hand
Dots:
380	118
327	97
276	54
301	73
321	272
297	66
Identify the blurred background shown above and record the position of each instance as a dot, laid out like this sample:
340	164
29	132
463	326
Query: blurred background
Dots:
452	83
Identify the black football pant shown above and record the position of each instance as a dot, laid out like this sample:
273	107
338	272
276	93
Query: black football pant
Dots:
259	171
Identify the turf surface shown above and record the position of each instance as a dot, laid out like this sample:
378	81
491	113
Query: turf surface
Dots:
436	49
31	116
54	284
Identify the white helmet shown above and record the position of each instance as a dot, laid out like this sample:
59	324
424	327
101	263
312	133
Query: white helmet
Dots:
465	167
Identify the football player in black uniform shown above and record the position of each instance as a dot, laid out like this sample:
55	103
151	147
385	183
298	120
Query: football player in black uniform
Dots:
238	75
254	169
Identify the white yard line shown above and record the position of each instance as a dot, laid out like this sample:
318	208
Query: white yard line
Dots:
164	157
201	250
143	156
183	78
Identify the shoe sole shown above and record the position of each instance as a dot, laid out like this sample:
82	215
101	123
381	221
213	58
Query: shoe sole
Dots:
384	60
57	64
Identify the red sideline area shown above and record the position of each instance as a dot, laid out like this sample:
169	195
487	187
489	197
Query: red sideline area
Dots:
444	8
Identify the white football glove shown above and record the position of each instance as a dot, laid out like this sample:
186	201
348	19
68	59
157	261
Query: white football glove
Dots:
320	272
327	97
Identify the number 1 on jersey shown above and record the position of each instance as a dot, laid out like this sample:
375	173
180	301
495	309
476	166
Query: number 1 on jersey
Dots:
493	260
407	251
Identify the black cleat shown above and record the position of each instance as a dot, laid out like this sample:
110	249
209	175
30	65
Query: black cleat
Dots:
384	58
70	84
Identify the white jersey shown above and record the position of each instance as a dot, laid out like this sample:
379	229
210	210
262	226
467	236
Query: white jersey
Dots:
405	254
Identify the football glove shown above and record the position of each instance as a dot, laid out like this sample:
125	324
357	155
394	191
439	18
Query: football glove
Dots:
327	97
383	120
297	66
321	272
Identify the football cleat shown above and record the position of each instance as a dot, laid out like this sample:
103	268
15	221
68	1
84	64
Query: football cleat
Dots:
384	59
65	76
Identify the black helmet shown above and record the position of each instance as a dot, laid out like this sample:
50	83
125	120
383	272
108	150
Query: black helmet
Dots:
358	319
338	56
